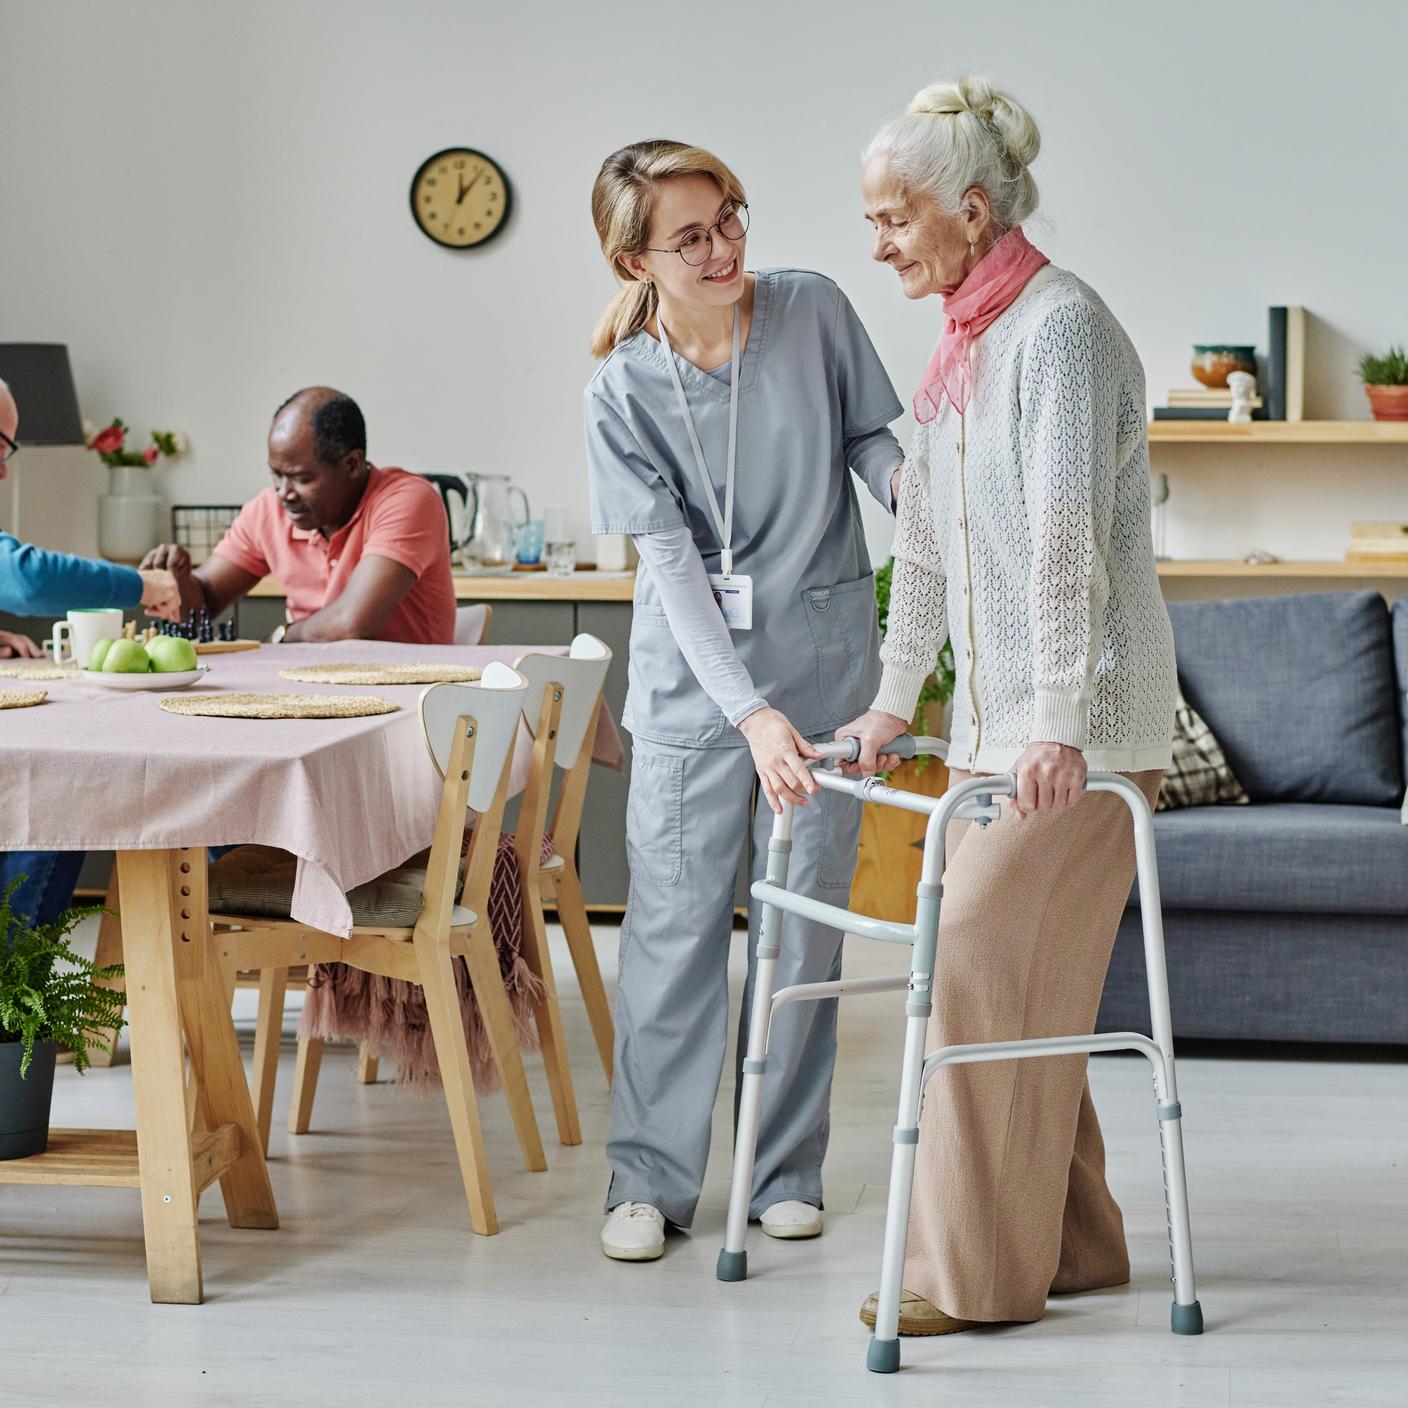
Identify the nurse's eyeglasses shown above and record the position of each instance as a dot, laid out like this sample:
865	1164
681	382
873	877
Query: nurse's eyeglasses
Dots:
698	245
8	448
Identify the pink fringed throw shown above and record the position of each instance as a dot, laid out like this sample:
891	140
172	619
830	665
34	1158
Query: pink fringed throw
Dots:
390	1017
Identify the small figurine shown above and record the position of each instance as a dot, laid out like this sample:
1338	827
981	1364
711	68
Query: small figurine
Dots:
1243	388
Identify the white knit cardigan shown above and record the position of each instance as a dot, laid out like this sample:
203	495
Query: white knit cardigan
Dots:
1024	537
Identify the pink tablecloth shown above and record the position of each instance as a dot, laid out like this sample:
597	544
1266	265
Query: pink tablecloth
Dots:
99	769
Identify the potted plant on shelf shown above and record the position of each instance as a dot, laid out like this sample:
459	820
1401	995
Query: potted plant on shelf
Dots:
131	515
1385	381
49	999
891	841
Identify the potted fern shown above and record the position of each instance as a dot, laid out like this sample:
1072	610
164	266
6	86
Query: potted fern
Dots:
888	862
1385	381
48	999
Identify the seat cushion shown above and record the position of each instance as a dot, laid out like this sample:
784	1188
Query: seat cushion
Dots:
1300	691
258	881
1284	857
1399	621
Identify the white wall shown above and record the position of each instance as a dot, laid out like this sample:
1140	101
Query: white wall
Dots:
208	203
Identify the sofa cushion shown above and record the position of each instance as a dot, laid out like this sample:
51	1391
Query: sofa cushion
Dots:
258	881
1400	664
1198	774
1301	692
1285	857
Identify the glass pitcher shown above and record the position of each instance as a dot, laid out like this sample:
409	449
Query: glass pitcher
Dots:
493	530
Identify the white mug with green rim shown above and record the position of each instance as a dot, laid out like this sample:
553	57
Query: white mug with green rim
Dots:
82	631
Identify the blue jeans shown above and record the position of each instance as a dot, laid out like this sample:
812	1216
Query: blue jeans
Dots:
48	890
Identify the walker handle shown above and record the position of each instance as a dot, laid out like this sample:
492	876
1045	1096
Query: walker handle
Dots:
847	750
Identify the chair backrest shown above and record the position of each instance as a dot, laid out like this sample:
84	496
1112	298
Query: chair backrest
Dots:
495	703
472	623
581	673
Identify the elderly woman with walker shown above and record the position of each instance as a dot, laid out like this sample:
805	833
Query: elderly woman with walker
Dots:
722	430
1024	537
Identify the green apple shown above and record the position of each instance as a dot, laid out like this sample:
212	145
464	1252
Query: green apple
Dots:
126	657
100	650
171	653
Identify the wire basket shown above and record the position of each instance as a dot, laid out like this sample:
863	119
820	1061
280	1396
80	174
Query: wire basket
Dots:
199	527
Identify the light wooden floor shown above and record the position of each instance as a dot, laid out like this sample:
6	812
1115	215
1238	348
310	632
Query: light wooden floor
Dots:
375	1291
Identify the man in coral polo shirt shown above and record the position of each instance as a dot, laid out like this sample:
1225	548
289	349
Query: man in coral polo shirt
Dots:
360	552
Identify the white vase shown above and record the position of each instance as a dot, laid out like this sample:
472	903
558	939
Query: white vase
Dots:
131	515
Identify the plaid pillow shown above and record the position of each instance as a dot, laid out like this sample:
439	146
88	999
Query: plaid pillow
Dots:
1199	774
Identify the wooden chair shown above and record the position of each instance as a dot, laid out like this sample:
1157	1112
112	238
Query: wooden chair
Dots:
561	708
470	731
472	623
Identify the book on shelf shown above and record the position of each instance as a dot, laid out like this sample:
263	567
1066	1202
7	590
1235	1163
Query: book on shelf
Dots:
1285	363
1378	541
1191	413
1206	396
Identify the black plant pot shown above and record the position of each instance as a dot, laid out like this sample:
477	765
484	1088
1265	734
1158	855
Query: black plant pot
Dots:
24	1104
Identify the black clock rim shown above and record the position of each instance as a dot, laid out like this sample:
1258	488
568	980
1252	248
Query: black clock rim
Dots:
461	151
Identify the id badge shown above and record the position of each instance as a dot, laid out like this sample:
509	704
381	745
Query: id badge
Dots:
734	596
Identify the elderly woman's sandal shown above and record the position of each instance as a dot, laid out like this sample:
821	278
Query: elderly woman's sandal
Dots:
917	1316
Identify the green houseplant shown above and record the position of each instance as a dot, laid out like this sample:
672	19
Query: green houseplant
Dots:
1385	379
48	999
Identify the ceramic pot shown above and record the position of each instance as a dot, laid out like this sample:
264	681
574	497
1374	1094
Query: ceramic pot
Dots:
24	1104
131	515
1388	402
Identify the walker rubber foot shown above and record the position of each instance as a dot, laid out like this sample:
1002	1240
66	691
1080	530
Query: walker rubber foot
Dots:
883	1356
1187	1319
733	1266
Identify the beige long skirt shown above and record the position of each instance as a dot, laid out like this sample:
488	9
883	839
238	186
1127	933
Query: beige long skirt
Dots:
1010	1200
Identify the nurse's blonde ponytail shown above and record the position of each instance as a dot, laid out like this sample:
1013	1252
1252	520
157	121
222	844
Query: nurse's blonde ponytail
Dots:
623	202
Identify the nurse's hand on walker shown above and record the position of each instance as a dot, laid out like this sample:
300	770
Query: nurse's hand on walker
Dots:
779	754
1049	776
874	728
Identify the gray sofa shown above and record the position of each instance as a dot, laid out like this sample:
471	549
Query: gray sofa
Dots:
1287	920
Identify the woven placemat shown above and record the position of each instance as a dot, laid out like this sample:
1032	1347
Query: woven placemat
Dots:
21	698
37	670
279	706
424	673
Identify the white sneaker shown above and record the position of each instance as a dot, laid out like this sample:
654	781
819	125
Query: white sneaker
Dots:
634	1232
792	1219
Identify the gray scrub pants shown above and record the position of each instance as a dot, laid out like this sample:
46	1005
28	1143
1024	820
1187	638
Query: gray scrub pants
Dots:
689	814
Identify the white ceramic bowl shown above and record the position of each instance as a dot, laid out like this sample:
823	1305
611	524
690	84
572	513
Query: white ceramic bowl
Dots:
155	679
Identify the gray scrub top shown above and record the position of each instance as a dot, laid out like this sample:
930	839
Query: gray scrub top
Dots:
813	403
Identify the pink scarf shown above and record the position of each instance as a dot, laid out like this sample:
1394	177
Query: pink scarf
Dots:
999	276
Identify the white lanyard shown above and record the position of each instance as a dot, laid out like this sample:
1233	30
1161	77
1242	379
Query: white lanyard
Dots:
723	521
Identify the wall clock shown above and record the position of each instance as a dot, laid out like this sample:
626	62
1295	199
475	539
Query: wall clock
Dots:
460	198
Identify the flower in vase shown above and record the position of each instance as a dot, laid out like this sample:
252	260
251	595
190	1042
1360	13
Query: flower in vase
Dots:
150	454
109	440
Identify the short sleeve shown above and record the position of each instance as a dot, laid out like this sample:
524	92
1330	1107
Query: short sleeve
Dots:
407	524
628	494
868	398
241	544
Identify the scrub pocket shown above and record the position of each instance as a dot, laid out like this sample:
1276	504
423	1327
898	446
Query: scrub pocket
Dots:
840	822
655	818
846	635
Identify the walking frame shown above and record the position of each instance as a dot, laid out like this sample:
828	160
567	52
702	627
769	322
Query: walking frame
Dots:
972	800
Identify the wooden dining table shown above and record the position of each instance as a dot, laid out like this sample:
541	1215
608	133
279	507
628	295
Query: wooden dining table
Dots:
99	769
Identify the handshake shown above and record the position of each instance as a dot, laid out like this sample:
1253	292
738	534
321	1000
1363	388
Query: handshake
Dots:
169	587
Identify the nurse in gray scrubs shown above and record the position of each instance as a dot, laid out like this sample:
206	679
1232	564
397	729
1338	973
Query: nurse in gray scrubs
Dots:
722	431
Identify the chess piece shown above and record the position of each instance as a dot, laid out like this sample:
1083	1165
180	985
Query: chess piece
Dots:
1243	388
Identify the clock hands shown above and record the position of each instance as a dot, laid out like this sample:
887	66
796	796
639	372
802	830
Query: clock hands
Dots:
465	190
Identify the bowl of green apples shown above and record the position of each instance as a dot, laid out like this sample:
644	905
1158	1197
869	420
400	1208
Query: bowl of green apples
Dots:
164	662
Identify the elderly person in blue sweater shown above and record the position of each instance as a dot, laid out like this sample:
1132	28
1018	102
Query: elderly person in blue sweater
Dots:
34	582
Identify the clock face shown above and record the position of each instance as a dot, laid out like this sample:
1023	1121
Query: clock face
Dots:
459	197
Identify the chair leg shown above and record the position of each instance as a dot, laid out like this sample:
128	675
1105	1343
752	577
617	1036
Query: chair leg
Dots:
305	1083
494	1008
572	915
109	952
367	1066
447	1029
548	1016
268	1029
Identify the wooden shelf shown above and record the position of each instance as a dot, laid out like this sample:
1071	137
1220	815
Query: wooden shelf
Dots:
1229	567
1279	432
107	1158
